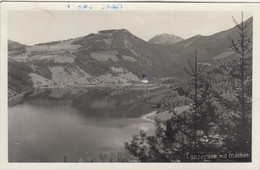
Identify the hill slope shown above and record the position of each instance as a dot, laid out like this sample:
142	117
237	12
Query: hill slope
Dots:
210	48
110	56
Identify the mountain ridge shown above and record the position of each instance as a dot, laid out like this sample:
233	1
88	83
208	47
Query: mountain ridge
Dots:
111	56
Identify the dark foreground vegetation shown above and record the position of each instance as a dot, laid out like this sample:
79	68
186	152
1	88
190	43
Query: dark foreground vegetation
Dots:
218	126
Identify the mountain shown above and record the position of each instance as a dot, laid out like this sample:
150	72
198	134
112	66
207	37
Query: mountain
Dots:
123	49
12	45
15	48
110	56
165	39
210	48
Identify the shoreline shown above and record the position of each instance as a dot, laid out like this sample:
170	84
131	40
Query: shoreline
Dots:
165	115
148	116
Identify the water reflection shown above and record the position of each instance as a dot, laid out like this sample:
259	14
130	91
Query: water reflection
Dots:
49	133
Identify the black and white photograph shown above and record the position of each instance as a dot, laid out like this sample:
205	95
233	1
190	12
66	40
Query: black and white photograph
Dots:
144	86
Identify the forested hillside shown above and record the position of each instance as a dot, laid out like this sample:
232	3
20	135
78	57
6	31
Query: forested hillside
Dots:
218	126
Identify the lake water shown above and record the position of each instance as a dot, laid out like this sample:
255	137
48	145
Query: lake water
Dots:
38	133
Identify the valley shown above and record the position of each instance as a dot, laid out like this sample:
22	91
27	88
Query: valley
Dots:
86	96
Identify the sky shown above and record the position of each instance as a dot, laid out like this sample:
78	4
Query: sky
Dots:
32	27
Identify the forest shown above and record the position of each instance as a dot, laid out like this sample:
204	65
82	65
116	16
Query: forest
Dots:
218	126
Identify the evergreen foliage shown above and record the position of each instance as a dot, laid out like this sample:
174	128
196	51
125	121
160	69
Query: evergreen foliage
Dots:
220	120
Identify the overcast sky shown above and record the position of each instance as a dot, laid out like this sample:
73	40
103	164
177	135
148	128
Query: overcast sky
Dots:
31	27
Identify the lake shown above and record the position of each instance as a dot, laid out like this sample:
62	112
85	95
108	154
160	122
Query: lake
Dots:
49	133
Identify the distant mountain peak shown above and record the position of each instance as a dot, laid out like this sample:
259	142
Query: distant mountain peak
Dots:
165	38
109	39
166	34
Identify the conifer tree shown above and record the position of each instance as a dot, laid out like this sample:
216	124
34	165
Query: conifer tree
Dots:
237	107
189	132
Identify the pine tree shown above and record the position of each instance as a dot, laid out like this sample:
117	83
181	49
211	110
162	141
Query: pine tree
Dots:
237	107
191	132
